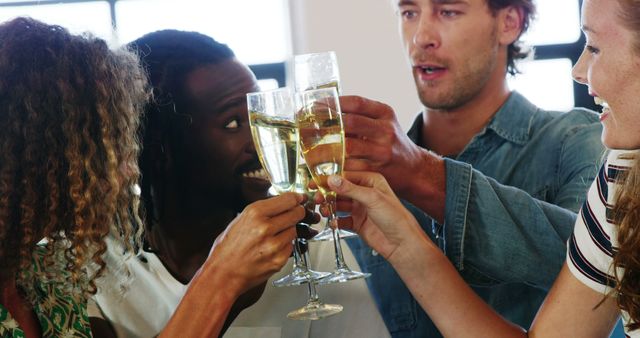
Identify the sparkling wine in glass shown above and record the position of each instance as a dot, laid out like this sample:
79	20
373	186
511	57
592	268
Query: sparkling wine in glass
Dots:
274	132
322	143
275	135
317	71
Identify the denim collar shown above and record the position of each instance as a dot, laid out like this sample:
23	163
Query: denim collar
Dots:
512	121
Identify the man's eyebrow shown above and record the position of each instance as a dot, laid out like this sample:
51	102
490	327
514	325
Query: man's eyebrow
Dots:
586	28
405	3
445	2
436	2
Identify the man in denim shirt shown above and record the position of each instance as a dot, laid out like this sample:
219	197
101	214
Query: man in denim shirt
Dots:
493	179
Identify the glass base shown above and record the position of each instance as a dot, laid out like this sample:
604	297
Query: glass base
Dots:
342	275
327	235
314	311
300	276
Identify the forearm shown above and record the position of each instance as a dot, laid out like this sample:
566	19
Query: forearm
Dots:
204	308
520	239
455	309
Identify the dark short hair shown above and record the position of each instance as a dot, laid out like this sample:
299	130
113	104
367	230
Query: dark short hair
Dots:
515	50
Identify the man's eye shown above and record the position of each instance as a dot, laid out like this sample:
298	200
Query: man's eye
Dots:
233	124
449	13
591	49
408	14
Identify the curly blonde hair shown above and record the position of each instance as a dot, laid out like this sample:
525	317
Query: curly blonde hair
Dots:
69	114
626	212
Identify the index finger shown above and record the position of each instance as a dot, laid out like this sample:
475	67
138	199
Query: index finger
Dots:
278	204
362	106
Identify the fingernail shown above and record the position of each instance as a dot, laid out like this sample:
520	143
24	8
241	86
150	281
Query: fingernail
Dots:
336	181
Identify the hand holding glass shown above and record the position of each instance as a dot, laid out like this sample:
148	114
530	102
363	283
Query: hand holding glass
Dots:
275	135
322	143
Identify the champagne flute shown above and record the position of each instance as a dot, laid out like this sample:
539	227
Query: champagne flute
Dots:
274	132
314	309
322	143
315	71
272	121
301	272
275	135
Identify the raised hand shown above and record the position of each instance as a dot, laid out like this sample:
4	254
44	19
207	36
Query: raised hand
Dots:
258	242
376	142
376	213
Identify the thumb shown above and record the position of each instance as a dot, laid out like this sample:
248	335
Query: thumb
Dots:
346	188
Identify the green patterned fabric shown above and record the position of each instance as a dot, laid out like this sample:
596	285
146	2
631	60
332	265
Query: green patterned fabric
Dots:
59	315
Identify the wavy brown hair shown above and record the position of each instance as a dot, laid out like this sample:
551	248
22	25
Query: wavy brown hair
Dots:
626	212
69	112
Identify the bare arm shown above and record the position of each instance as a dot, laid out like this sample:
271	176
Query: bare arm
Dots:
571	310
254	246
456	310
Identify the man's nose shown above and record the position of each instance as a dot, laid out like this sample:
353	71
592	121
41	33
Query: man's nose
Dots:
426	34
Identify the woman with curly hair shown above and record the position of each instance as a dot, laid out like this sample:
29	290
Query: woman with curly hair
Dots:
69	113
600	281
69	116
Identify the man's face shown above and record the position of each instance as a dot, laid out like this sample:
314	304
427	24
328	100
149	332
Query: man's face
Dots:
453	48
223	163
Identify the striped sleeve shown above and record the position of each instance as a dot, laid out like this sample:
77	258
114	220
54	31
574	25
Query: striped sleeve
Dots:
589	249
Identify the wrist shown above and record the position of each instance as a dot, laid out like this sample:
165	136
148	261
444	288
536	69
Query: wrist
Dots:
415	247
427	187
216	276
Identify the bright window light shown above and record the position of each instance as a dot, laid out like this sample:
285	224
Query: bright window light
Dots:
558	22
268	84
256	30
78	17
546	83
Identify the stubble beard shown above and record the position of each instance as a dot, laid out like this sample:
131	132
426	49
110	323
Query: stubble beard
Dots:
466	84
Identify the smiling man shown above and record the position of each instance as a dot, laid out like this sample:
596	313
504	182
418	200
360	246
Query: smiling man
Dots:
494	180
199	171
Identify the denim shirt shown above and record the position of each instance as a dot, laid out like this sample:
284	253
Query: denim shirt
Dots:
511	201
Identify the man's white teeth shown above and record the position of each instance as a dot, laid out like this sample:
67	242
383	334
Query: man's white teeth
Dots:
428	70
600	102
259	173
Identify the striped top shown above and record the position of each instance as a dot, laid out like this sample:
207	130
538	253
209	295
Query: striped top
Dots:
594	241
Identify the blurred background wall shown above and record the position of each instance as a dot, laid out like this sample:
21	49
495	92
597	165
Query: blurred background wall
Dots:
364	34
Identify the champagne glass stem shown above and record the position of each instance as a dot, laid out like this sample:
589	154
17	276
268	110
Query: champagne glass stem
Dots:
298	263
313	294
333	220
314	309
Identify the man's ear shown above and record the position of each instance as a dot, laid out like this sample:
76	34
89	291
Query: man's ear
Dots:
510	24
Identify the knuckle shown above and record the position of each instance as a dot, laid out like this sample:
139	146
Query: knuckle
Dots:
388	131
261	230
388	111
251	211
386	154
359	102
300	212
289	199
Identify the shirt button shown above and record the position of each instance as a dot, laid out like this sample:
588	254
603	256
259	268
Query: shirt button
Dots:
374	253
